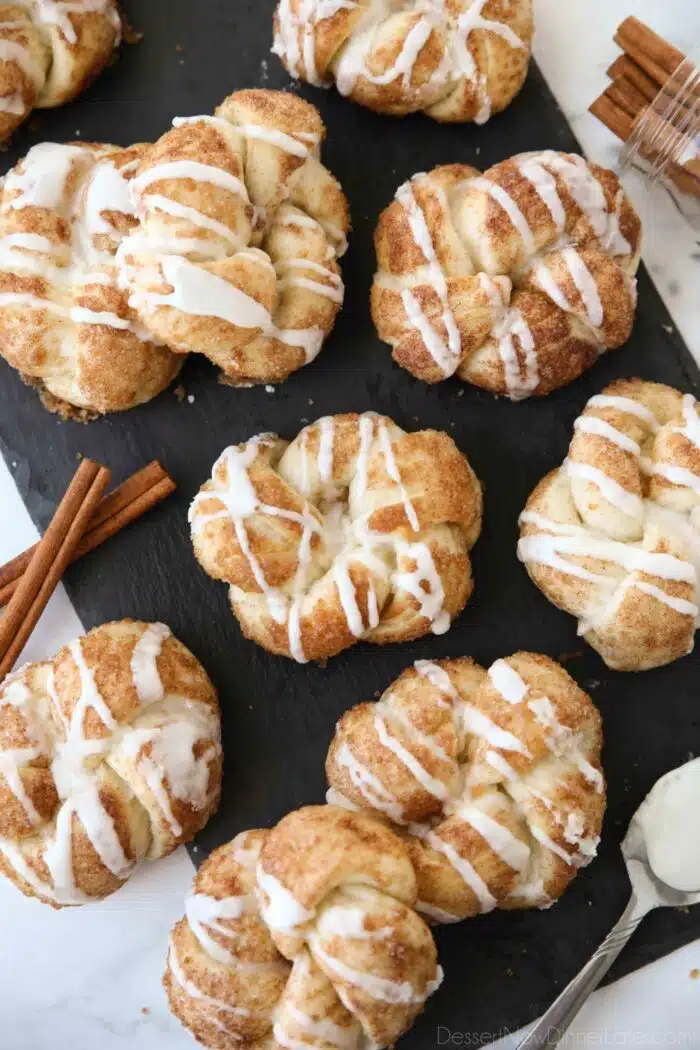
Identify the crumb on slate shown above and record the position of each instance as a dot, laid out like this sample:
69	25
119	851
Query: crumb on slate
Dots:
180	392
565	657
190	399
129	34
269	389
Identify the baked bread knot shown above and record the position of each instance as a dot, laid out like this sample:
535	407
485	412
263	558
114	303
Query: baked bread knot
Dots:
493	779
515	280
613	535
241	229
305	935
354	530
457	60
64	322
109	755
50	51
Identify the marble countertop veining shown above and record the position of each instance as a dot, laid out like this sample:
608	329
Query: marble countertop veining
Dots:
90	978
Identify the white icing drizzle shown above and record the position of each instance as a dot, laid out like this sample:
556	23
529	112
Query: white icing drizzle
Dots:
430	598
511	850
214	1006
323	1030
183	211
16	694
358	545
512	325
435	914
302	22
144	663
295	42
194	170
557	539
471	719
681	476
14	51
386	446
369	786
348	922
509	206
431	784
13	104
628	406
206	913
447	355
279	908
593	425
43	183
628	502
469	875
376	987
46	169
58	12
531	168
586	286
468	22
201	293
507	682
78	784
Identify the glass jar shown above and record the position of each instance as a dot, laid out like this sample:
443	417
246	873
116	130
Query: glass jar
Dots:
665	143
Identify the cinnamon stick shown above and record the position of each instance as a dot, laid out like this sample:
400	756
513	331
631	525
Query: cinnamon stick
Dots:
625	95
656	57
614	118
50	559
624	68
128	502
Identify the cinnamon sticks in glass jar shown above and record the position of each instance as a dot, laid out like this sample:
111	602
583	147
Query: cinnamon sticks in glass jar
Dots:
653	105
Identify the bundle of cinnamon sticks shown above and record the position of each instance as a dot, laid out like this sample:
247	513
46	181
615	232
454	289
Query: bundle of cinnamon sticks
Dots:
654	100
85	518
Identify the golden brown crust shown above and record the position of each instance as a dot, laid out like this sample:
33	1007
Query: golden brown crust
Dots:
354	530
493	779
241	228
65	324
51	55
306	930
613	536
110	755
515	280
462	62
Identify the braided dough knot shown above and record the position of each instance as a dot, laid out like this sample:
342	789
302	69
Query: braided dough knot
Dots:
354	530
109	755
65	324
50	50
515	280
457	60
241	228
613	535
305	934
493	779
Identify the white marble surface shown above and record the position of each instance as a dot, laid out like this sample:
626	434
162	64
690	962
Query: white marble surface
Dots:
90	978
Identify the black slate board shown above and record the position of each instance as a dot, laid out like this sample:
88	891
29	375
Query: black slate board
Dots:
502	969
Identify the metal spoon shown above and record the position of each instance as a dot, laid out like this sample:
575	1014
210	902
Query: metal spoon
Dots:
648	892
